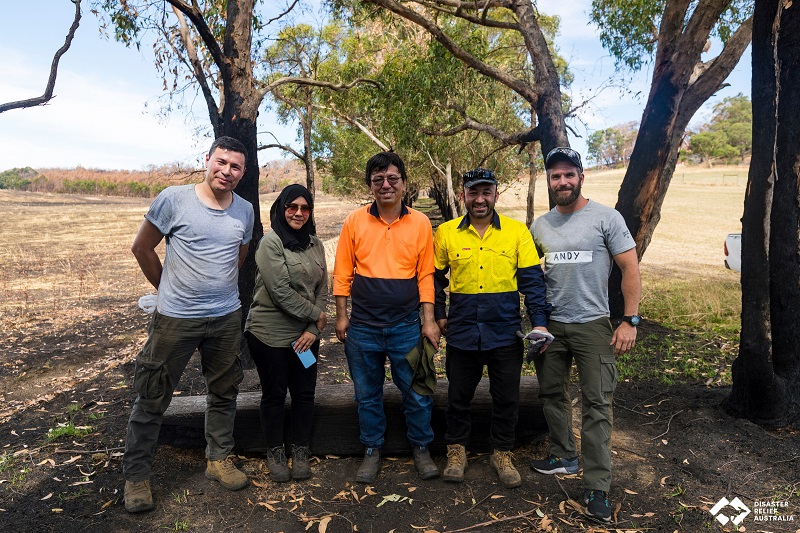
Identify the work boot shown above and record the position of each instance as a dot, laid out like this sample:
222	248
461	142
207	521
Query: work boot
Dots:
509	477
138	497
370	466
301	469
422	460
227	474
456	463
278	467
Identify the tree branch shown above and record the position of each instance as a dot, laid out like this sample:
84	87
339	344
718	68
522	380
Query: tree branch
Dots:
365	130
197	68
51	82
506	139
483	20
193	13
518	86
283	147
316	83
288	9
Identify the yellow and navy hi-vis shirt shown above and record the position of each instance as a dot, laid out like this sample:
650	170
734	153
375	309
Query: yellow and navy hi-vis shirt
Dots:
386	269
486	276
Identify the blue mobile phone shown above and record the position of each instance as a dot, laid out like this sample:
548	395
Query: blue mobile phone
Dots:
306	357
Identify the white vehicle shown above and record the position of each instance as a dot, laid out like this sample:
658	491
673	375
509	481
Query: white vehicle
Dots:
733	252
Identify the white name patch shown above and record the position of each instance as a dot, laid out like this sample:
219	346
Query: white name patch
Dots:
575	256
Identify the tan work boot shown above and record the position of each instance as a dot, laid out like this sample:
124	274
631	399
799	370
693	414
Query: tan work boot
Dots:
138	497
227	474
509	477
456	463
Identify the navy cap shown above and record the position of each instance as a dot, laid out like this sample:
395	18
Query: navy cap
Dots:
563	153
477	176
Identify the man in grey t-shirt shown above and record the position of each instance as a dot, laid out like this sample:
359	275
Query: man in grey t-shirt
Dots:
577	240
208	230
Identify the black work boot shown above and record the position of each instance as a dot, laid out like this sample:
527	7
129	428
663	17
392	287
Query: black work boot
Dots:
277	464
422	460
301	469
370	466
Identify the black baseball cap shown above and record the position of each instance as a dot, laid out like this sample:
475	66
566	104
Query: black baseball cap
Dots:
477	176
563	153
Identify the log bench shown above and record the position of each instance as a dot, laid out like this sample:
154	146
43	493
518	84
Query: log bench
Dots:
336	420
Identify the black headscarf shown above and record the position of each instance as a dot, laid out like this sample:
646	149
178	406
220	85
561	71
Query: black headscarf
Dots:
295	240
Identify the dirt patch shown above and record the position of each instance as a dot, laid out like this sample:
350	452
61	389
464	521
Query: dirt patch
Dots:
66	367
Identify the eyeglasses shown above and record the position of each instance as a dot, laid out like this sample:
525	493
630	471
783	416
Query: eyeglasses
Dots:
293	208
378	181
478	173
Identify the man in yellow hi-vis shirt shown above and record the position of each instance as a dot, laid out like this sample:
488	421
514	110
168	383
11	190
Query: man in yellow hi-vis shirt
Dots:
491	259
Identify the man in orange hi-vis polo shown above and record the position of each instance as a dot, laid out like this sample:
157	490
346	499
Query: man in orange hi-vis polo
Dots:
384	264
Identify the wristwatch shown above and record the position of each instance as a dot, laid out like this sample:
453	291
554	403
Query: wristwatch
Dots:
633	320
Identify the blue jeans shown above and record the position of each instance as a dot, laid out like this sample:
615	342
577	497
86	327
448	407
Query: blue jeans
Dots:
367	348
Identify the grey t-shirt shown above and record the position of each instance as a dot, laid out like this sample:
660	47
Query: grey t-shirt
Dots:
201	272
577	251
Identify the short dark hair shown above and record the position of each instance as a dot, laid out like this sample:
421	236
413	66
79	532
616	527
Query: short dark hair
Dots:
381	161
228	143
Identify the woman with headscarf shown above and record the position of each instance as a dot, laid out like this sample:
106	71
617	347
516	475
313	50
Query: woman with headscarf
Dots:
285	320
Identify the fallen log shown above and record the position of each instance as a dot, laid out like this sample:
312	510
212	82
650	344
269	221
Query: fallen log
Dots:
336	420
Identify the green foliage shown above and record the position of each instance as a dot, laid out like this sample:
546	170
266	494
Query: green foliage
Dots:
729	134
629	29
68	429
612	146
17	178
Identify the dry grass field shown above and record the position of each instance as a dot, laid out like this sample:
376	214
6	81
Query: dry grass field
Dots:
70	329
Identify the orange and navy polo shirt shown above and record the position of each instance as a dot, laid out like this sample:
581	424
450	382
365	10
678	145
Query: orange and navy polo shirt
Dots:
386	269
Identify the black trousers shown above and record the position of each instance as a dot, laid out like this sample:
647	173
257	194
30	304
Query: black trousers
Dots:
464	370
280	369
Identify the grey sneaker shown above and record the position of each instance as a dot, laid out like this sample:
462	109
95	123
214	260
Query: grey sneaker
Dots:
370	466
556	465
509	476
422	460
301	469
597	505
278	465
456	463
138	497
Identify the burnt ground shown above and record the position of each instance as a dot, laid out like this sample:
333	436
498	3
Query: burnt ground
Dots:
676	453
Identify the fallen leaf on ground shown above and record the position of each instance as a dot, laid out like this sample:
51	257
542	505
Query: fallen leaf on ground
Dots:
47	497
629	491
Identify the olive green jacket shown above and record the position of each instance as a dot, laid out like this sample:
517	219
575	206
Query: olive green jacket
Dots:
290	294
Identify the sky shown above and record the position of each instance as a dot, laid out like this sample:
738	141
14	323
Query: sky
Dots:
106	110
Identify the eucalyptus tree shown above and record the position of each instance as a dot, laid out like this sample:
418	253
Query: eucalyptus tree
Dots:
672	36
766	373
307	52
211	48
443	112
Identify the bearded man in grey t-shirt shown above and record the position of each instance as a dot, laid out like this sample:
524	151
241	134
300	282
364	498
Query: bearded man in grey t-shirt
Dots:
577	240
208	229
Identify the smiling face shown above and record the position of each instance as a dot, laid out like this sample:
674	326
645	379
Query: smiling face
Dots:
224	170
479	201
564	183
387	187
297	212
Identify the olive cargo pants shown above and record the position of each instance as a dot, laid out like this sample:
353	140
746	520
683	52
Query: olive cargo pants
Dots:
589	345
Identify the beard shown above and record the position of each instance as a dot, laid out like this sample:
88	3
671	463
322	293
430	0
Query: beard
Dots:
565	200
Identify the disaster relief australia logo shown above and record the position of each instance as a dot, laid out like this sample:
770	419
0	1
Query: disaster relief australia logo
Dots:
735	511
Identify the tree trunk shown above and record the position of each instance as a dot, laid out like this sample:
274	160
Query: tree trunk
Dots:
766	374
308	124
681	84
531	184
451	195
